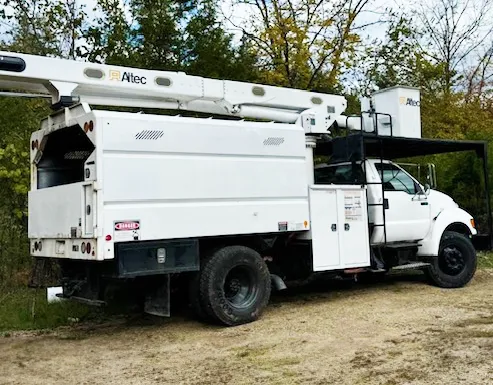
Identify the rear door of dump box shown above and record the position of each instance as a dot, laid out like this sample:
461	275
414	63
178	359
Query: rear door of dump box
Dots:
63	198
65	211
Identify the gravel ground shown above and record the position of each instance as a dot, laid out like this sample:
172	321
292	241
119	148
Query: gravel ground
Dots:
397	331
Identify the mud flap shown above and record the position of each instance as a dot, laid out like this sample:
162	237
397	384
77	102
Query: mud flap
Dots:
157	300
376	261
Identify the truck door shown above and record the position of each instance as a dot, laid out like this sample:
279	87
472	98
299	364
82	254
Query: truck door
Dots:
407	216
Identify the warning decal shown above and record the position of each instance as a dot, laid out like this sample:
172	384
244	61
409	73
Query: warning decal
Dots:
127	231
352	206
290	226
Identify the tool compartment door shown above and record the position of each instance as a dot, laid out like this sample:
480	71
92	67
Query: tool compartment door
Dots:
324	228
61	211
354	232
339	227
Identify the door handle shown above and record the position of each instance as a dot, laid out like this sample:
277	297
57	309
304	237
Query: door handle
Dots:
424	203
386	204
346	226
333	227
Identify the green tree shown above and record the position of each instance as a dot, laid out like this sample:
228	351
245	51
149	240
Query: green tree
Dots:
157	35
452	32
306	44
208	48
43	27
400	60
109	38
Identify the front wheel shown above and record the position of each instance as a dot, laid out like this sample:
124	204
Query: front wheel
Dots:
234	285
456	262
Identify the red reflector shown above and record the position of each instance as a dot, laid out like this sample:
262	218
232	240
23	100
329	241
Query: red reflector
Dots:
108	237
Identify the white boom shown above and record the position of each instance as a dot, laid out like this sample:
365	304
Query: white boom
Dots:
69	82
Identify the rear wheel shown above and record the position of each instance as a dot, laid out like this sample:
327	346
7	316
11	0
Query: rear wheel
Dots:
194	298
234	286
456	262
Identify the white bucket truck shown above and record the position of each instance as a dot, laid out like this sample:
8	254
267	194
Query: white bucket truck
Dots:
234	207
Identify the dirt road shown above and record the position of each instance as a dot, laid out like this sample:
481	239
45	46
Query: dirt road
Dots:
400	331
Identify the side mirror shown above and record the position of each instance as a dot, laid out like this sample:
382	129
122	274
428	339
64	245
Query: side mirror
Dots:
432	175
427	189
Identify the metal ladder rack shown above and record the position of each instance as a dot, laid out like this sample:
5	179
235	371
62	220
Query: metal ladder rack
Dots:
384	202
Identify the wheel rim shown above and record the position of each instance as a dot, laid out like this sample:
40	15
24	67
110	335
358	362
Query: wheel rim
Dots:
451	260
239	287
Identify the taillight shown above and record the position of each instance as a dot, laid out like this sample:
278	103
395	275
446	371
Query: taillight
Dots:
83	247
88	126
88	248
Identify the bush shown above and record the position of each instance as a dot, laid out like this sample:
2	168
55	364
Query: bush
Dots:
15	261
28	309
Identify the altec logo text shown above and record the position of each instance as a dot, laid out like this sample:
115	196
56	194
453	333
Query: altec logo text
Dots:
409	101
127	77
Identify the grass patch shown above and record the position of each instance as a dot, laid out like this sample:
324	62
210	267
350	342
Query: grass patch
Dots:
477	334
485	260
28	309
250	353
488	320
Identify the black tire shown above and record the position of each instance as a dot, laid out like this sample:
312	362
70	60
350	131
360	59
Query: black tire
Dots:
234	285
456	262
194	298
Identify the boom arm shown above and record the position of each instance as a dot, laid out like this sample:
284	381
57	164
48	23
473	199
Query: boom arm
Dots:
69	81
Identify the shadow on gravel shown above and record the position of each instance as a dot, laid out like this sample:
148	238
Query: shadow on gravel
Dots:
337	287
320	290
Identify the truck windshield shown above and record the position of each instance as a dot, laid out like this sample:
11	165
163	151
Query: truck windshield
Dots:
347	173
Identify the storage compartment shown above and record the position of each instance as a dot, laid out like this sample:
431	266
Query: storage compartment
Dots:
64	155
339	225
160	257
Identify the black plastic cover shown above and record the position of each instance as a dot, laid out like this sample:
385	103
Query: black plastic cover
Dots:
140	258
12	64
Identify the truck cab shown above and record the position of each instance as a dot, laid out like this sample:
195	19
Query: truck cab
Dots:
400	208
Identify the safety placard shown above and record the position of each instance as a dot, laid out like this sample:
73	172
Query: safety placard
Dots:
126	231
353	209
